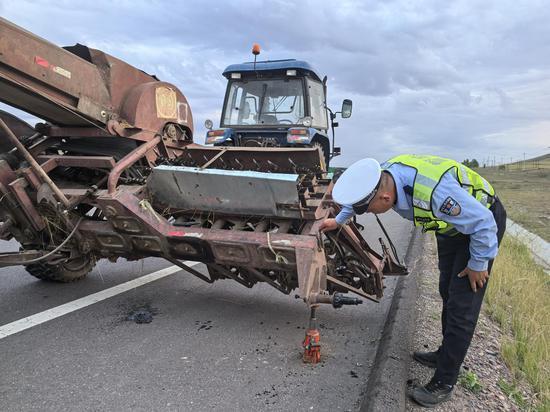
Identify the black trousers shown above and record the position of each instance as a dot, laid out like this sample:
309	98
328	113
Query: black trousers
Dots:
461	305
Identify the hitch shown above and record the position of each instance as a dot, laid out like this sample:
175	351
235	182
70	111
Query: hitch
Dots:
339	300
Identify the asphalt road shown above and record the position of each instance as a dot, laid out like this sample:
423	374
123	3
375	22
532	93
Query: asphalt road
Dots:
209	347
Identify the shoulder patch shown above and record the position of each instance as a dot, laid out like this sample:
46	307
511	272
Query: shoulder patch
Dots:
450	207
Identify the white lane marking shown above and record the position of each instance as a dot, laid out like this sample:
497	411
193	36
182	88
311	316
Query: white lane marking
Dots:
47	315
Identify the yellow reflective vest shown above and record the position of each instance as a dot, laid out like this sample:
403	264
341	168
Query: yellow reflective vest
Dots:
429	171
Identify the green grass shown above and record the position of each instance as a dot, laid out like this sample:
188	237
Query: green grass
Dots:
524	192
518	298
470	381
510	390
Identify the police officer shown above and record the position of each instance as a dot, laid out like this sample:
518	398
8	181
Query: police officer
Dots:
444	196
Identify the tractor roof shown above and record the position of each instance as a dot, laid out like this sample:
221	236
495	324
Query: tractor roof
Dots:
272	65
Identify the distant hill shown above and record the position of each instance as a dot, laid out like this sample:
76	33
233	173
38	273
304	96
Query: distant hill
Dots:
542	161
545	157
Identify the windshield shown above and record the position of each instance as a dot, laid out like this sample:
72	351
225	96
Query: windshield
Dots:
264	102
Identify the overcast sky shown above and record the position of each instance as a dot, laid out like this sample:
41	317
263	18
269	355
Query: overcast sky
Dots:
458	79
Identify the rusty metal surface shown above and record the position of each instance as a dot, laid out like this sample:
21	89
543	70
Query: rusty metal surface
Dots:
22	150
11	211
275	159
134	219
35	148
111	126
18	189
101	162
130	159
79	86
48	80
292	256
31	177
7	175
74	132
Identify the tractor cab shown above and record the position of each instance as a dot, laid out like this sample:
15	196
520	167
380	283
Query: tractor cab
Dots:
278	103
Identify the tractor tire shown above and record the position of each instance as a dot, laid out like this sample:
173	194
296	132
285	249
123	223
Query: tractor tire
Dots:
324	154
66	272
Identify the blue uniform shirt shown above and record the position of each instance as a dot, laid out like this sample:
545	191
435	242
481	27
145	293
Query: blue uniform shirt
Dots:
474	219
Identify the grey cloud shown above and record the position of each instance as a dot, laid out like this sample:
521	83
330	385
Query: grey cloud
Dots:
462	79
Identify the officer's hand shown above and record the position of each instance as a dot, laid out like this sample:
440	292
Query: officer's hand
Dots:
477	279
328	225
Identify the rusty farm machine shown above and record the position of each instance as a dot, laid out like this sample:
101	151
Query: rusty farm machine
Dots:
113	172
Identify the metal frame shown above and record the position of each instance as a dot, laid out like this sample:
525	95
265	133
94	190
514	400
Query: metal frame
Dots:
58	218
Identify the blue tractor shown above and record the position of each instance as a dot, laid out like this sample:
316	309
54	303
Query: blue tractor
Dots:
278	103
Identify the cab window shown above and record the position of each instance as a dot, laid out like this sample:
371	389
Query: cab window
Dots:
317	104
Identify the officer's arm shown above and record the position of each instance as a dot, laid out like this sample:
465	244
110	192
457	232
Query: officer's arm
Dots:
472	219
345	214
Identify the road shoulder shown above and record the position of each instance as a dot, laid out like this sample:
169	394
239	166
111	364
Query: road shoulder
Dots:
386	385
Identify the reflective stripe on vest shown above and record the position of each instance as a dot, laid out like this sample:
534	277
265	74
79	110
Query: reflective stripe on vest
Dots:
429	171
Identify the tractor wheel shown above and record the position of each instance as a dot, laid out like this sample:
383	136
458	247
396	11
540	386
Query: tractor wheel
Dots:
69	271
324	155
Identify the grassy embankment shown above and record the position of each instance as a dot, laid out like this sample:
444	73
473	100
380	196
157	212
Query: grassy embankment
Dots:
525	192
518	296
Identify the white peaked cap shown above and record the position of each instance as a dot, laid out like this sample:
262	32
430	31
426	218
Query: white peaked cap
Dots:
357	182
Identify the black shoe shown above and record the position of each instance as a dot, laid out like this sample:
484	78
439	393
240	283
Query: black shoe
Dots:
428	359
432	394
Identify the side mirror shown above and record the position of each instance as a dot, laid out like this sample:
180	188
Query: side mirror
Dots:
346	108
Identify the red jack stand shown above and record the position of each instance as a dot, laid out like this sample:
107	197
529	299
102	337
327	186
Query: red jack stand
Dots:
312	345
